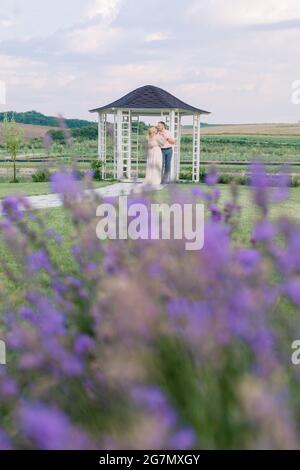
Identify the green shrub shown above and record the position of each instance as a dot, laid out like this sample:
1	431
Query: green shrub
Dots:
295	181
86	133
57	135
41	176
225	179
186	175
244	180
96	166
203	174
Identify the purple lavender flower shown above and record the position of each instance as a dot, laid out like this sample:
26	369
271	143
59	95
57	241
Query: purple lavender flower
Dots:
49	319
88	174
5	443
47	140
216	214
71	365
224	305
153	399
38	261
27	313
281	184
13	207
198	192
9	387
212	177
263	231
184	439
249	258
50	429
260	183
31	361
83	344
65	183
62	124
292	289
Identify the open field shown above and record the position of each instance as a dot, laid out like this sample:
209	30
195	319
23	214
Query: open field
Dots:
29	131
239	148
276	129
229	147
246	148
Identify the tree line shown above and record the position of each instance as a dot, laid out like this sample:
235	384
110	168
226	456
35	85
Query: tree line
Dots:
39	119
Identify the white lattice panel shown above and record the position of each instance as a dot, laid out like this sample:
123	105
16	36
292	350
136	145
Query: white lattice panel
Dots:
196	148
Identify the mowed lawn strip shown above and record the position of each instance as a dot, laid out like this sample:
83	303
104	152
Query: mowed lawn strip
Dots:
34	189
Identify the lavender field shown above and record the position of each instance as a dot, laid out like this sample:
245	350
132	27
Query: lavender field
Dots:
142	344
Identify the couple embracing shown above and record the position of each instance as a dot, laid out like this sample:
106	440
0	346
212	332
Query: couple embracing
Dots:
159	155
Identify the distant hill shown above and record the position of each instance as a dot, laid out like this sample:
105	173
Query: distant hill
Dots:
279	129
202	124
29	131
39	119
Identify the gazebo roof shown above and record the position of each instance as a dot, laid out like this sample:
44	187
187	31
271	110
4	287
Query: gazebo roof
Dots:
150	98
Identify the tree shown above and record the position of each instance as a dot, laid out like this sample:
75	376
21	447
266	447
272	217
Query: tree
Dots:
14	140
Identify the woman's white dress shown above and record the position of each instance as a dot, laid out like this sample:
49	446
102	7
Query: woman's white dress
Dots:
154	160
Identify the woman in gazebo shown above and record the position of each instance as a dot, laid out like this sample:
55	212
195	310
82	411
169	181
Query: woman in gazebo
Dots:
154	157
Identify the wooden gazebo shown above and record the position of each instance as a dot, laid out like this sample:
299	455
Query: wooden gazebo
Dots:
145	101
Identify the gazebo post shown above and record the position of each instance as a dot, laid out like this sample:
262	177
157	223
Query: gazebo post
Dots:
127	128
178	140
102	142
175	130
119	153
175	123
135	123
177	144
196	148
173	163
123	135
115	154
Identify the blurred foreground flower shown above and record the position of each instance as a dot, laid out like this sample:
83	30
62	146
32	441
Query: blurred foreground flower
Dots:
142	344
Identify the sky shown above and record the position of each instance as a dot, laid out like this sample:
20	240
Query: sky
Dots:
235	58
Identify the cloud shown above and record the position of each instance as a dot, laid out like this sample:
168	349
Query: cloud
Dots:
158	36
6	23
96	32
91	39
227	57
108	10
243	12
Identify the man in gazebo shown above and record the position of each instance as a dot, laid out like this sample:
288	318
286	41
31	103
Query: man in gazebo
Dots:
167	151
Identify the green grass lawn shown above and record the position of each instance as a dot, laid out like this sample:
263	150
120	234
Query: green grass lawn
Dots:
33	189
59	220
289	208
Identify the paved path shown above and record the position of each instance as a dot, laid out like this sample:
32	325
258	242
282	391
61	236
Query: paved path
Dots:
47	201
